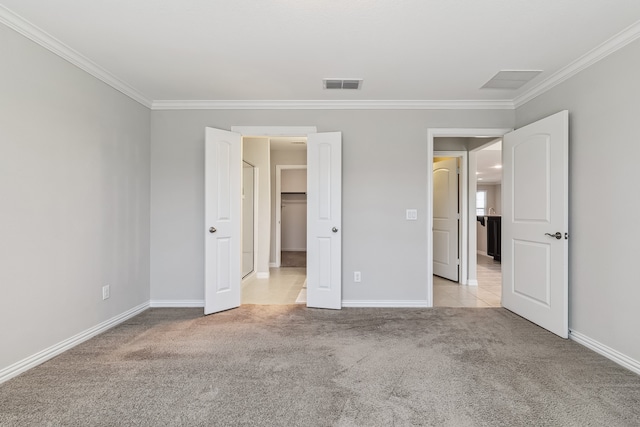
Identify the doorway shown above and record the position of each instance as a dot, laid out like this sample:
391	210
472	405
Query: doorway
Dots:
223	176
460	143
489	221
282	279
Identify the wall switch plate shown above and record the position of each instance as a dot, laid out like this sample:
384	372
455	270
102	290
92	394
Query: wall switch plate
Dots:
357	277
105	292
412	214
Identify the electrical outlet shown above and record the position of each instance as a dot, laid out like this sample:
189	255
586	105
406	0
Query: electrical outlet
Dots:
105	292
412	214
357	277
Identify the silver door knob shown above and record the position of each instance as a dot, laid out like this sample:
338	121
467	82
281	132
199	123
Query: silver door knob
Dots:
335	230
557	235
212	230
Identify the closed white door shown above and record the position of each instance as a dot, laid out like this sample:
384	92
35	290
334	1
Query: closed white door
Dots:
324	220
445	218
535	222
223	218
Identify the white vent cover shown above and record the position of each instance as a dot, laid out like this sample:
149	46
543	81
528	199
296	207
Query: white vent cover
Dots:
342	83
511	79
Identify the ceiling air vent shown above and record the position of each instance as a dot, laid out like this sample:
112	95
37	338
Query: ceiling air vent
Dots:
511	79
342	83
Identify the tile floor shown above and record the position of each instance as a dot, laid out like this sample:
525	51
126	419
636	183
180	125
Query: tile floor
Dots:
287	286
487	294
282	287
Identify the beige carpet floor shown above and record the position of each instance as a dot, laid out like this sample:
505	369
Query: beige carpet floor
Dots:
293	259
293	366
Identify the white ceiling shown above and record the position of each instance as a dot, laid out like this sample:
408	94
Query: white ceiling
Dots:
273	50
487	161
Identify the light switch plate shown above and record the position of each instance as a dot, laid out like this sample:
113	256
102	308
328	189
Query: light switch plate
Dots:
412	214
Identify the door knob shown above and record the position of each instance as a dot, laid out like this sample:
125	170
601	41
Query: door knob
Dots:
335	230
212	230
557	235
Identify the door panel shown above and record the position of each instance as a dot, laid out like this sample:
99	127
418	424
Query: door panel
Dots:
222	228
445	218
324	220
535	207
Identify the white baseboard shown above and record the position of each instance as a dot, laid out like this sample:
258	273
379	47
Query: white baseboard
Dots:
273	265
56	349
606	351
262	275
472	282
388	303
185	303
483	253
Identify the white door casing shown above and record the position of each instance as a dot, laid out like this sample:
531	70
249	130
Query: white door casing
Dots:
324	220
222	228
535	207
445	219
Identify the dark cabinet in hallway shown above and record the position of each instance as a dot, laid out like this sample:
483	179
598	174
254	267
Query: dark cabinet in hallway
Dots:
494	235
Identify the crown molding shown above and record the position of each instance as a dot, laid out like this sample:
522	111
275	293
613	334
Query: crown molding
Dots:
44	39
333	105
603	50
39	36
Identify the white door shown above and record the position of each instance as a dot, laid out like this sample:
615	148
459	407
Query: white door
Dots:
222	227
324	220
535	222
445	218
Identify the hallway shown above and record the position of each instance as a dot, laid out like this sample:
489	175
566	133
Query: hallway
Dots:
282	287
488	293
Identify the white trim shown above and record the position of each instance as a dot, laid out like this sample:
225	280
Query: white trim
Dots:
271	131
483	253
187	303
431	134
46	40
386	303
606	351
603	50
56	349
365	104
472	282
262	275
272	265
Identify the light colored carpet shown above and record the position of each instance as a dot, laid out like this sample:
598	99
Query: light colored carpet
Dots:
293	366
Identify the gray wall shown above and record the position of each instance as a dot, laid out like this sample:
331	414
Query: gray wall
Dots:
385	171
604	108
74	189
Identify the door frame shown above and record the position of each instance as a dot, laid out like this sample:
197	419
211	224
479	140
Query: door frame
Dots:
255	221
463	198
278	247
433	133
273	131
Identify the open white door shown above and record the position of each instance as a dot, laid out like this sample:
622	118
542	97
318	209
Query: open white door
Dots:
535	222
324	220
445	218
222	228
